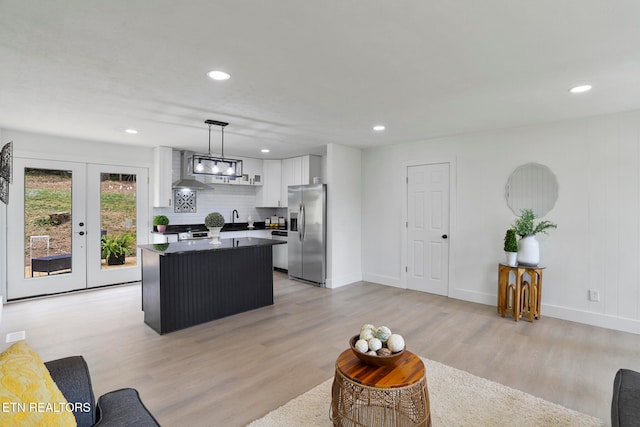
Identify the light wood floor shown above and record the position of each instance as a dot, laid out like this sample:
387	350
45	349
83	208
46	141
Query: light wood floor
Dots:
234	370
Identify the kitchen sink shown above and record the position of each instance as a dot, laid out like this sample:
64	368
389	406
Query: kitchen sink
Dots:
235	227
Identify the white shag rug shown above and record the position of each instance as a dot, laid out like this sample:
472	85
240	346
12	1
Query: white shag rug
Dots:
457	399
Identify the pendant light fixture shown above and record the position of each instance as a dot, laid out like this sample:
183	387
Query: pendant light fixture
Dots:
216	166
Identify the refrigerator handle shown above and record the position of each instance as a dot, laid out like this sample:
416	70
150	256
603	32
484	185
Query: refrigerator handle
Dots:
303	220
300	222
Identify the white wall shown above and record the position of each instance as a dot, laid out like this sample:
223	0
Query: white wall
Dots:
50	147
596	245
344	213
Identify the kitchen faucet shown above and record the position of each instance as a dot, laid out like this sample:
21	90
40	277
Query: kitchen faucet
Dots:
234	215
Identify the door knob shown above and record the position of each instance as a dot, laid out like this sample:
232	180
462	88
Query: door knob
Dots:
81	233
444	236
81	224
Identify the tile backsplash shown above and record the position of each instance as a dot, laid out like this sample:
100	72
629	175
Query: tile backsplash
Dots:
223	198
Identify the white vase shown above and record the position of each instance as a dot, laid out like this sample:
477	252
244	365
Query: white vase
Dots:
214	233
528	250
512	258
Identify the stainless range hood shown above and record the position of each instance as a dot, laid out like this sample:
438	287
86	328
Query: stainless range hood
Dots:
186	182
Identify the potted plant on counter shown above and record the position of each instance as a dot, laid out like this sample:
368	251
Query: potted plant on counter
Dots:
116	247
161	222
511	247
214	222
528	247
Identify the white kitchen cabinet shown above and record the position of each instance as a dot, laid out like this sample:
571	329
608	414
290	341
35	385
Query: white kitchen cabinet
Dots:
252	168
261	234
269	195
233	234
163	238
291	172
311	168
299	171
162	177
280	254
251	174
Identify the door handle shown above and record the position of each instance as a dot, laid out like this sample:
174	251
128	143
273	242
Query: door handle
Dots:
81	233
444	236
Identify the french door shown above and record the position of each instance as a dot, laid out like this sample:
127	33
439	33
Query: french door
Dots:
60	216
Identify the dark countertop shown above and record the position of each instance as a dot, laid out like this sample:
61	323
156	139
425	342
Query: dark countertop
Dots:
205	245
243	226
238	226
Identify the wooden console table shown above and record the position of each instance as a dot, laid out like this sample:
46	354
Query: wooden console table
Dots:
365	395
522	298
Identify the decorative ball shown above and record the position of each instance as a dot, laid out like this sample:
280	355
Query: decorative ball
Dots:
366	334
368	326
395	343
375	344
362	346
372	353
383	333
384	351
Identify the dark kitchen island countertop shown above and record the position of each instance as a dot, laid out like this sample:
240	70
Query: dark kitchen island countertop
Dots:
205	245
194	281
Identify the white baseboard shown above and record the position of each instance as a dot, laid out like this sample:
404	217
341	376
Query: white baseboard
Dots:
396	282
590	318
565	313
342	281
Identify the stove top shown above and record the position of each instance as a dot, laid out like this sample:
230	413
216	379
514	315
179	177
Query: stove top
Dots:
185	228
188	231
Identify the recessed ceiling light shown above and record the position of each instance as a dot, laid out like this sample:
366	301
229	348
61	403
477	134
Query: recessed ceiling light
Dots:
379	128
132	131
218	75
265	150
580	89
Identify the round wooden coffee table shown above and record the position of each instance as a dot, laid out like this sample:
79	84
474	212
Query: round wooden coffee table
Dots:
364	395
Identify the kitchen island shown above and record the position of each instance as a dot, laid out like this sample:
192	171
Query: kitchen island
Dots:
194	281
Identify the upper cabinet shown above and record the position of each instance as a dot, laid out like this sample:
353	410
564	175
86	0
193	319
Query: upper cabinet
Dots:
270	194
311	168
251	174
298	171
252	171
162	177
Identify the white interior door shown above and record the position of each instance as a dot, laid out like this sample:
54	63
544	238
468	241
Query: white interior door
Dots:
428	228
46	228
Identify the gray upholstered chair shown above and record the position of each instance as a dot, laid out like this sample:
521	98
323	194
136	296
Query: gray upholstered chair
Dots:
625	405
118	408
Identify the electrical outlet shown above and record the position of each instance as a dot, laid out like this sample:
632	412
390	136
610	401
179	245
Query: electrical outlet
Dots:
16	336
594	295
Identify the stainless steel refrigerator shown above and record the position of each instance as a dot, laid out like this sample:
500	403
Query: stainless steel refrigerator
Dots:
307	235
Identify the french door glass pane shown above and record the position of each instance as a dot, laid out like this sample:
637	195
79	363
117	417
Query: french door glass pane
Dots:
118	220
47	222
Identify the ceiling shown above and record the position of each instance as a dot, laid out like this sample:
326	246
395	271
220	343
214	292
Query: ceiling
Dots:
304	74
